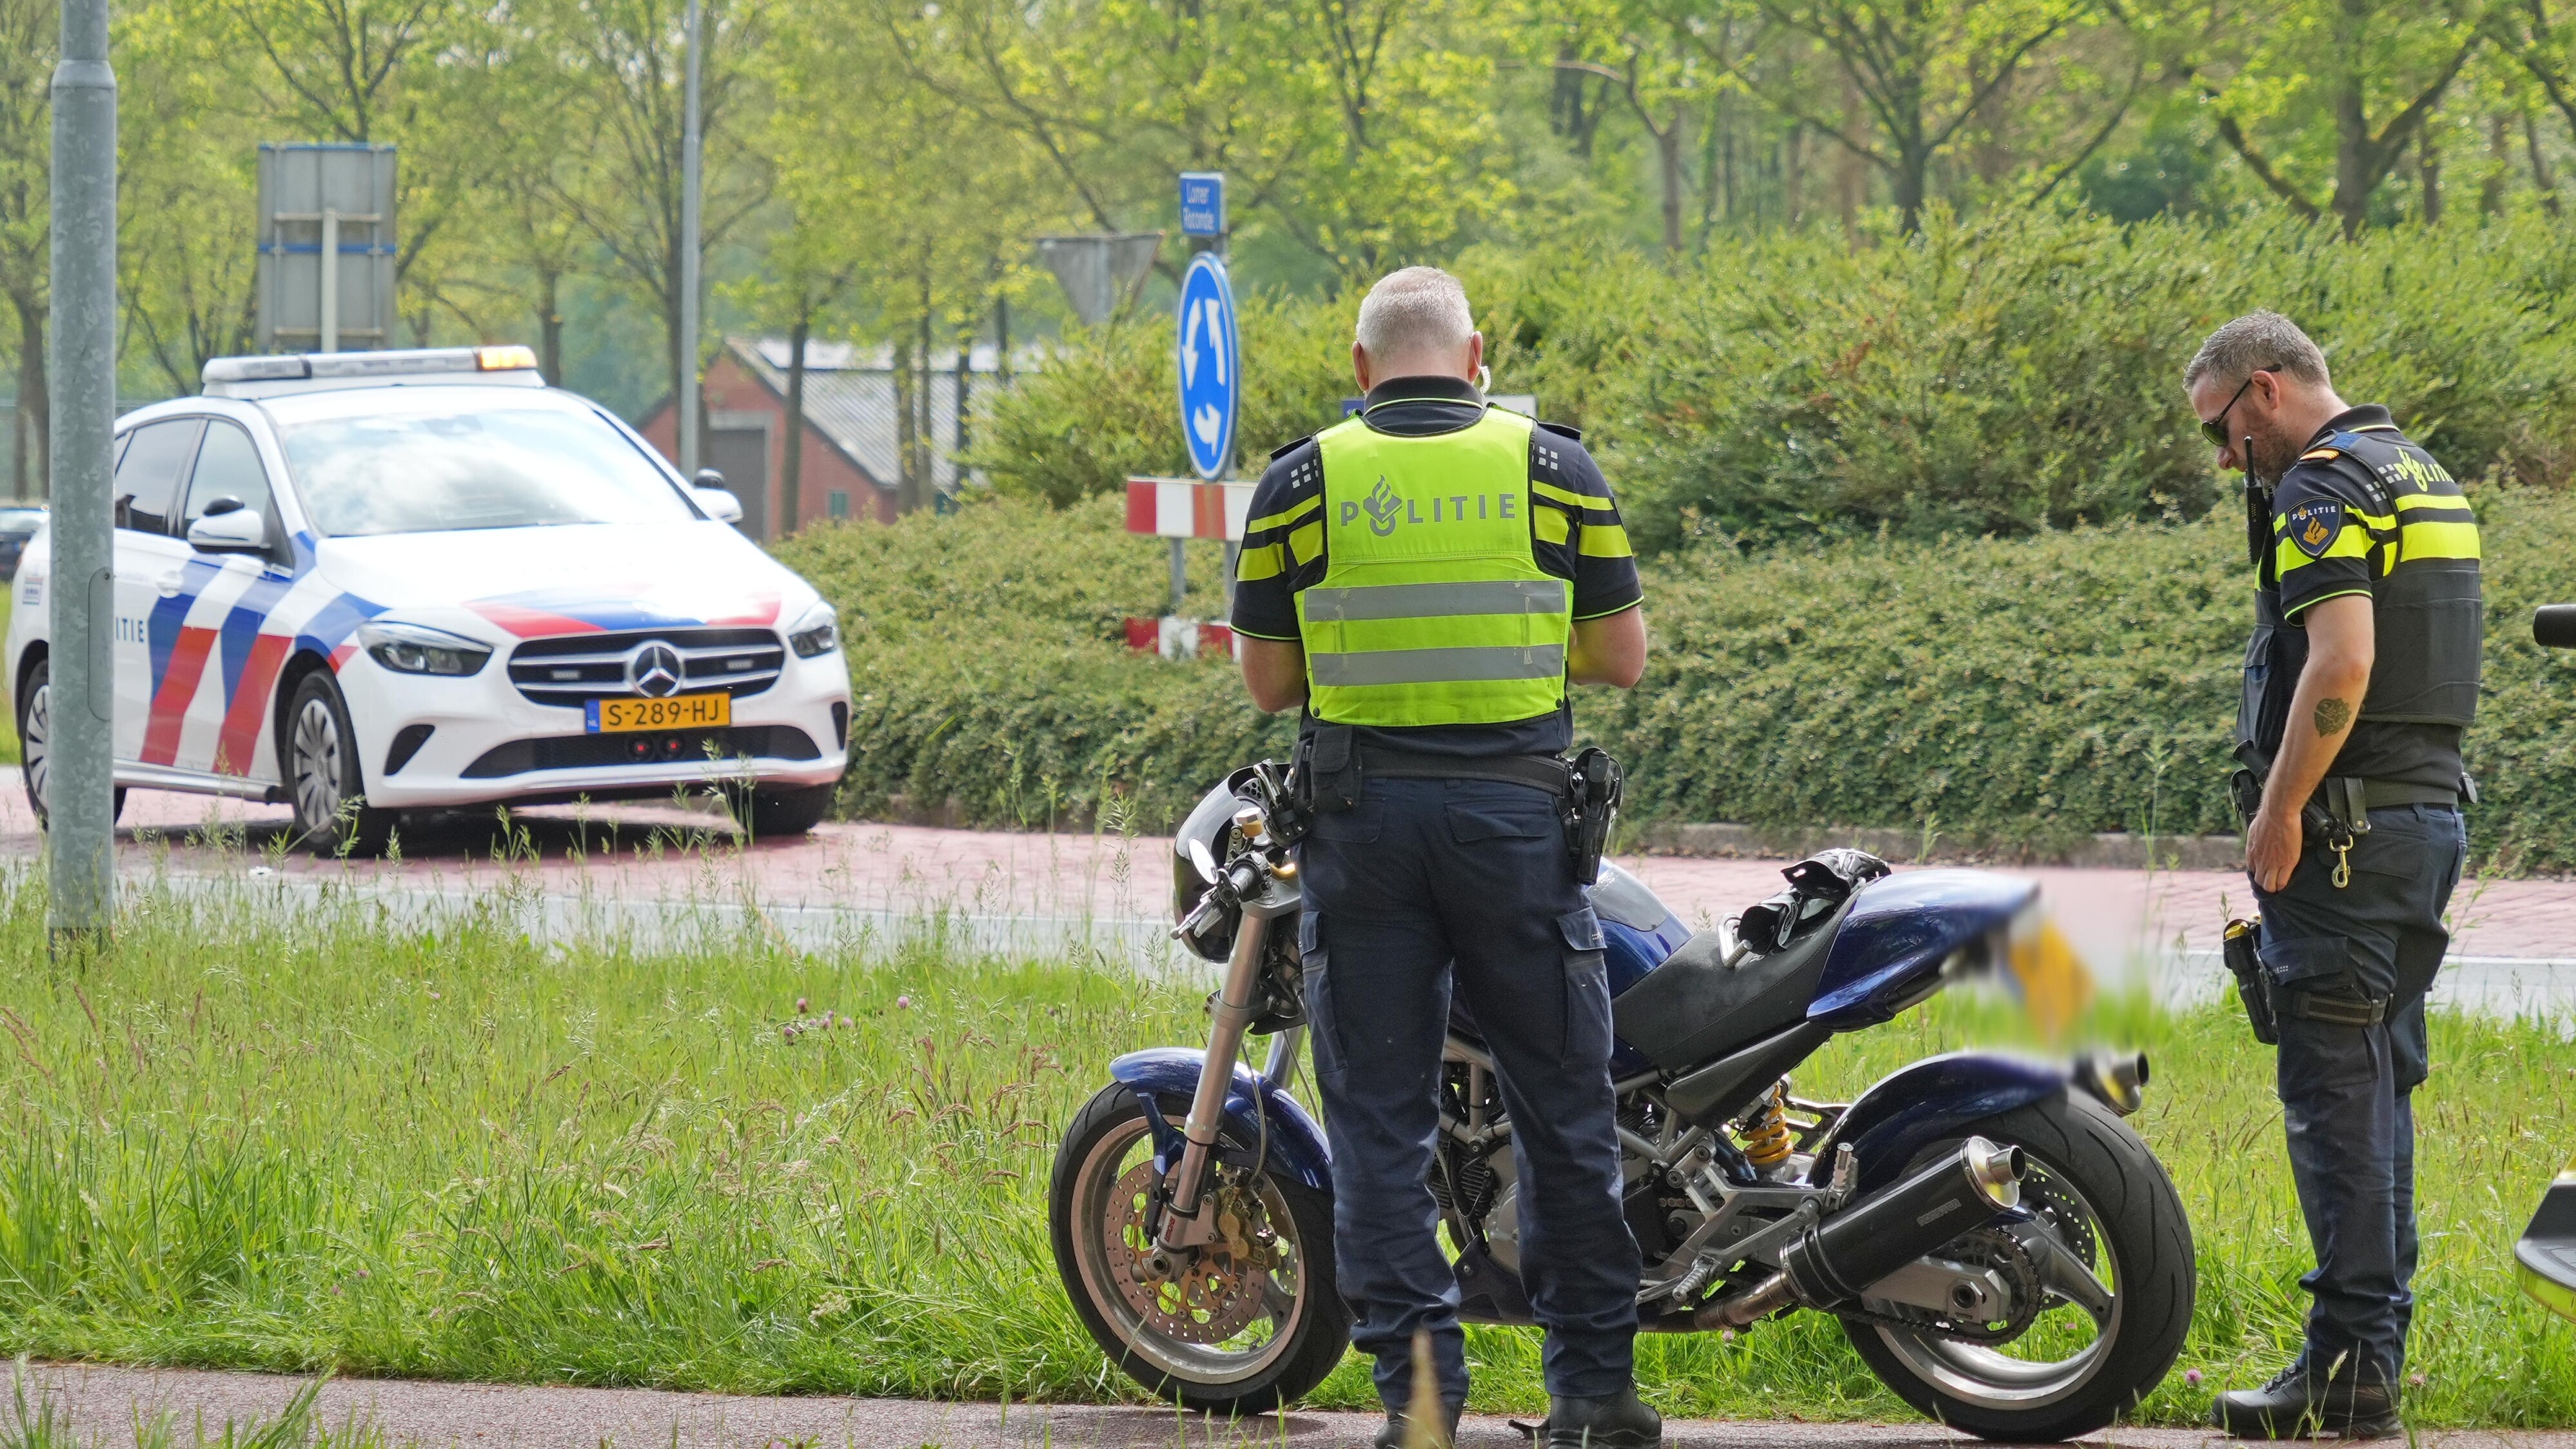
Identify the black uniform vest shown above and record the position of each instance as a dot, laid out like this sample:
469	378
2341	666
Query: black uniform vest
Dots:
2427	614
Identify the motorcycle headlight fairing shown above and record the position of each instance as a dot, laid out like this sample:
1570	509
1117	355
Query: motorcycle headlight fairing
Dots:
1209	823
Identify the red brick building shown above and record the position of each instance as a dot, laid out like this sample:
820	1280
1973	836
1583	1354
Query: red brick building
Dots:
850	466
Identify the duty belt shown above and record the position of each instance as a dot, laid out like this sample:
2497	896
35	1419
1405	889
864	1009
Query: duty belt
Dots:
2389	794
1544	772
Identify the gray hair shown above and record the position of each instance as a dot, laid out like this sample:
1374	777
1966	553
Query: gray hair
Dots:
2257	342
1417	309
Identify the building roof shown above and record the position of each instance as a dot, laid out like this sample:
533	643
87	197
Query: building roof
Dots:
850	397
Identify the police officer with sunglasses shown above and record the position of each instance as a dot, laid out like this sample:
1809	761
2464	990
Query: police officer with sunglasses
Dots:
2359	681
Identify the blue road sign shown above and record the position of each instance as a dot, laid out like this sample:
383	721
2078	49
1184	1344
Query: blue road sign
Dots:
1203	203
1211	365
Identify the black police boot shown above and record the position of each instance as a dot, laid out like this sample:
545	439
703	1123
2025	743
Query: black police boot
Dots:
2298	1404
1620	1421
1391	1435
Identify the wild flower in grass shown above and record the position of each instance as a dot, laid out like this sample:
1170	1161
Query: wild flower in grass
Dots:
2191	1377
800	1006
903	1003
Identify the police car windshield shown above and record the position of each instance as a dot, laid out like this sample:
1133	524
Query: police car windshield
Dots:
427	472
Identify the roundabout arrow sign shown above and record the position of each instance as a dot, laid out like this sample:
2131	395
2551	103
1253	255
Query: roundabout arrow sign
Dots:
1211	365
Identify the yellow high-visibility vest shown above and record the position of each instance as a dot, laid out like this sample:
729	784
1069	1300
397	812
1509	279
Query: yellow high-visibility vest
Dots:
1432	609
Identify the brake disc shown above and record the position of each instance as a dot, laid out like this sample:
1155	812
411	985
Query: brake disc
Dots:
1205	1294
2043	1194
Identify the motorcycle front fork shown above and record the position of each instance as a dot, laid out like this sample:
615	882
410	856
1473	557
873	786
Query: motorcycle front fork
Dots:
1230	1018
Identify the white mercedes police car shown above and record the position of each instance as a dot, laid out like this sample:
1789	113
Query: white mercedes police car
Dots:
364	583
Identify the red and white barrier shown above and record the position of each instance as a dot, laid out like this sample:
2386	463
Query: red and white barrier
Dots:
1186	508
1180	638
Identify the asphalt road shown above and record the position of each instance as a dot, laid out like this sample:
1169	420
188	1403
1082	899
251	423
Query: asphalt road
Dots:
104	1405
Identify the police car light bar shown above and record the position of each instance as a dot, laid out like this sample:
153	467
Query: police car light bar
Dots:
309	371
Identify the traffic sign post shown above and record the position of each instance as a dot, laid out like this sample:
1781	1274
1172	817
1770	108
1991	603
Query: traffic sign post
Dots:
1211	366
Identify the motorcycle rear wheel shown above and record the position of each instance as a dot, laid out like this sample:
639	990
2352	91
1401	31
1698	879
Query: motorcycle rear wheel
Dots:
1213	1333
2089	1168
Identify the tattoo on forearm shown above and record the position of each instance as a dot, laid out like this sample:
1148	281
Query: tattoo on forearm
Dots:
2332	716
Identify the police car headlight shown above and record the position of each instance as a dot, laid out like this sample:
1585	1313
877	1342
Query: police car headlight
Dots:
417	649
819	632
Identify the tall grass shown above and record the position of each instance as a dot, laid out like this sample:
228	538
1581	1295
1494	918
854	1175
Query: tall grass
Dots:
304	1138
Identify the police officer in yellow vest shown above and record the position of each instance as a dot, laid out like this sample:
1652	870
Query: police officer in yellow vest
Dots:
1427	578
2360	680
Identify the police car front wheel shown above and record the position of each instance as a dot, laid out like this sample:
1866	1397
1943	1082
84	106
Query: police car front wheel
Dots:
323	779
36	740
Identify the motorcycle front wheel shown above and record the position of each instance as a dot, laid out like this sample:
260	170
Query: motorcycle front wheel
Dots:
2117	1299
1242	1326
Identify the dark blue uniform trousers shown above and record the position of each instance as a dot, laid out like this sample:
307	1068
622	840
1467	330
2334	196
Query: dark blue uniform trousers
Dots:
1424	874
2347	1092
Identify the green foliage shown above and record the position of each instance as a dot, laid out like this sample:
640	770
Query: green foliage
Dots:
2019	692
1104	409
263	1135
2004	376
989	666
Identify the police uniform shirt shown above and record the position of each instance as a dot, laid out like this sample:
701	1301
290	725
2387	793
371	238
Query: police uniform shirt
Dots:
2331	539
1575	532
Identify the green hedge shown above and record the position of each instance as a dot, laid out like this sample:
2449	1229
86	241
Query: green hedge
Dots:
2016	374
2007	693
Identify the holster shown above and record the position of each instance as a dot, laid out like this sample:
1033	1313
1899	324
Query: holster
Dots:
2245	963
2339	810
1591	805
1328	769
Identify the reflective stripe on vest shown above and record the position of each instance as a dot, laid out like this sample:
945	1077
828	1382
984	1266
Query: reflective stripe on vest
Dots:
1432	609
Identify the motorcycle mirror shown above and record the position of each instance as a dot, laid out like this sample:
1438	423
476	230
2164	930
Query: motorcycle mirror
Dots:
1202	862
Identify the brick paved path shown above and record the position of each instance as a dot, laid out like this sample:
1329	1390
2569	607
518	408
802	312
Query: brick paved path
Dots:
662	853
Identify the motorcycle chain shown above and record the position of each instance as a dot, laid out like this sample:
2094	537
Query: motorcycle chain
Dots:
1986	1247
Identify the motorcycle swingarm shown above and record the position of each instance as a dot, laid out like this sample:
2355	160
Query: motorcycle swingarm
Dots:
1296	1145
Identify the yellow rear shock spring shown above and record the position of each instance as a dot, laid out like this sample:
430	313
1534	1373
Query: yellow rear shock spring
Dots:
1765	1130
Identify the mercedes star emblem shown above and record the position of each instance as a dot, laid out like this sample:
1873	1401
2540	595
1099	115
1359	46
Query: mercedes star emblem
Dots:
654	670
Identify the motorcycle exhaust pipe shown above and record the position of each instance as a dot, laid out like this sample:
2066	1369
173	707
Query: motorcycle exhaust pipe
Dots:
1833	1263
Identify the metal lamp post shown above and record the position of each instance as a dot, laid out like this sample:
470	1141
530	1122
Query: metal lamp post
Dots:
80	787
690	146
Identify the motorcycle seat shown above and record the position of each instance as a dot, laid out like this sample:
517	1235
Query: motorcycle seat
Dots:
1695	1007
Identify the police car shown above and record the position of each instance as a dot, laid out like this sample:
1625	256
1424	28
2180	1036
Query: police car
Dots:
365	583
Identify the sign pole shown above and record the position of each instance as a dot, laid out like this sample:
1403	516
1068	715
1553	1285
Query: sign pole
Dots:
1207	308
690	180
80	787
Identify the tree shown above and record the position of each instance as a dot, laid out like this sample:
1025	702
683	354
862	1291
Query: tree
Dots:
623	63
1661	58
187	240
2302	99
1918	72
26	186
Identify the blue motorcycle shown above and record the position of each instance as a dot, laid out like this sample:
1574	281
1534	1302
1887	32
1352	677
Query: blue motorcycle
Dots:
2001	1249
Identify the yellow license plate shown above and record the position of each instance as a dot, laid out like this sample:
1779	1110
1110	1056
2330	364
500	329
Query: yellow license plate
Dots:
679	712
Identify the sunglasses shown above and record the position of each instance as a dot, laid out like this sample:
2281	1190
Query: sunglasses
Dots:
2216	428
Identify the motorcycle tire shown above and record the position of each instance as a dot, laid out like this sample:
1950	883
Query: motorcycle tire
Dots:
1165	1345
2086	1163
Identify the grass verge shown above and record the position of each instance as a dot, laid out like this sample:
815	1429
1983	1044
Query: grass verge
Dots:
298	1138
